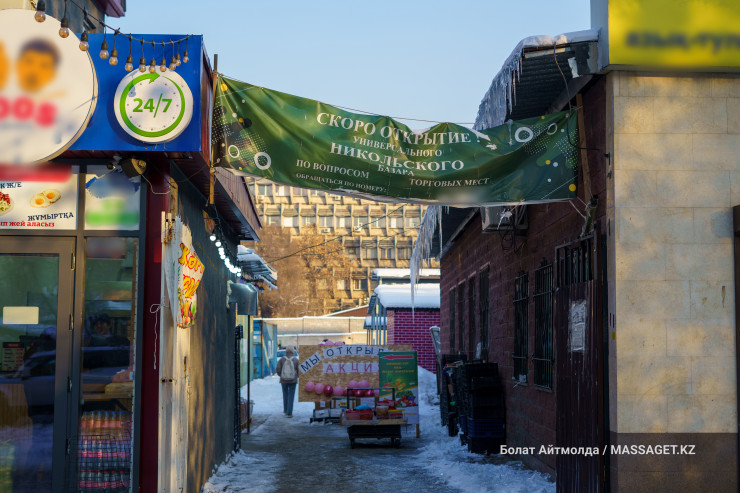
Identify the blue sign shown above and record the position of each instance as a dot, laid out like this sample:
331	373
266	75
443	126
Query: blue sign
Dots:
104	132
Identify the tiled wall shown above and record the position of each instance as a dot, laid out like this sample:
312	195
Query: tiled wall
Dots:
676	175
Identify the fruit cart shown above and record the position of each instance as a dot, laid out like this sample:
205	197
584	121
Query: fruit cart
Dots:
365	424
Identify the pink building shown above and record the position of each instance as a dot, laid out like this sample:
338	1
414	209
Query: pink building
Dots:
407	324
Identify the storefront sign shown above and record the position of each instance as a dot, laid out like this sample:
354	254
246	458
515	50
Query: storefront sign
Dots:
310	144
112	200
153	107
664	33
38	199
399	371
339	367
48	88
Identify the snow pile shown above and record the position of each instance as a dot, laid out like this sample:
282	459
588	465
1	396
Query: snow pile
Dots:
501	96
229	476
267	394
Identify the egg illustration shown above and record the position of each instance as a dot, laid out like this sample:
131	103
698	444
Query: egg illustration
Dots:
52	194
40	200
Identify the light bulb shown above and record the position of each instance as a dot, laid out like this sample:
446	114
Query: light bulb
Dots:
129	64
177	60
185	57
152	66
218	243
40	14
212	237
142	64
163	65
173	64
104	50
64	30
84	45
113	57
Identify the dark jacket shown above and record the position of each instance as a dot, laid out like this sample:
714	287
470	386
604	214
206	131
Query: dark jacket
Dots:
279	369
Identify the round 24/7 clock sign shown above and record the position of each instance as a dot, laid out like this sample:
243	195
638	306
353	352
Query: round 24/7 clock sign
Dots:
153	107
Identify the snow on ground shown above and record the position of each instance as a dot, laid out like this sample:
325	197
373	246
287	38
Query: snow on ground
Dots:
440	455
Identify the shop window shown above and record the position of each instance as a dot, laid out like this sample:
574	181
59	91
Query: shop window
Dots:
483	310
387	253
370	253
289	222
471	317
452	321
326	221
544	338
359	284
521	326
107	362
264	190
308	220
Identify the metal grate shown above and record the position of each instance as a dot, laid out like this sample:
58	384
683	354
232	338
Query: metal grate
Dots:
574	262
544	338
483	310
460	316
521	326
452	320
471	317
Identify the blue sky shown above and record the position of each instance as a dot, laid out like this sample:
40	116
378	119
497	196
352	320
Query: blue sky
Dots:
430	59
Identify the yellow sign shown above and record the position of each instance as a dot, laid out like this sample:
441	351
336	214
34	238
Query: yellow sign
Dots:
674	33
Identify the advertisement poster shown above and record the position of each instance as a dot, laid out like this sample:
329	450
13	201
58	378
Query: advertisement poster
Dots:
36	199
338	367
183	272
399	371
112	200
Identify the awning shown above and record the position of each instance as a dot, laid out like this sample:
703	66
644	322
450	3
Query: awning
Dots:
245	297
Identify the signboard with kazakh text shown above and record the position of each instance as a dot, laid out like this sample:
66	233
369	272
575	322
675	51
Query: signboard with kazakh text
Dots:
38	198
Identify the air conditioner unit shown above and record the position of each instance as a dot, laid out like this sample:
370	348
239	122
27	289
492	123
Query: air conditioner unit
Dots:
325	230
499	219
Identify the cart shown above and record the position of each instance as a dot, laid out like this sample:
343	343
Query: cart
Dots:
382	428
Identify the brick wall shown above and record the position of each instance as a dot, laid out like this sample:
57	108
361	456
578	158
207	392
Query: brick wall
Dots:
530	412
407	327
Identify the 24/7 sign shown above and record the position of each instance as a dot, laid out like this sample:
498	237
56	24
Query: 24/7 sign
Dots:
153	107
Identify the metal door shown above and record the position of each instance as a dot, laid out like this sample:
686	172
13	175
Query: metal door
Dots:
579	380
36	296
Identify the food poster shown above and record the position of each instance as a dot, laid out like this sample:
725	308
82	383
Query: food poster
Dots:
325	372
37	198
183	270
112	199
399	371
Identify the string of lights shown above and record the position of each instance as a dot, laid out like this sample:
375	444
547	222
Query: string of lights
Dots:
112	56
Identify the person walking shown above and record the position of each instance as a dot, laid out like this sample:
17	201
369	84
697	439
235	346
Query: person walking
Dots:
287	368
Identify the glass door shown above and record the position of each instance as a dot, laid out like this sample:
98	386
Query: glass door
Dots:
36	286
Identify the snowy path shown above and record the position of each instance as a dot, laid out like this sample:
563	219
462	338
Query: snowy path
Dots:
290	454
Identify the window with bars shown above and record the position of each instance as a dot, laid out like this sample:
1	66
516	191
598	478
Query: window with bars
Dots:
544	338
483	285
452	321
471	317
460	298
521	326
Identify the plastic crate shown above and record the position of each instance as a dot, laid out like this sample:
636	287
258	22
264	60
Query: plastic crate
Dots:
487	412
486	428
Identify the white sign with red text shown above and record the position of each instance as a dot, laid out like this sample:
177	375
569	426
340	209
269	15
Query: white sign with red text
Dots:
36	199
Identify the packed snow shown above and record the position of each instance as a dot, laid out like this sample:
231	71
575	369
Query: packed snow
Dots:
441	456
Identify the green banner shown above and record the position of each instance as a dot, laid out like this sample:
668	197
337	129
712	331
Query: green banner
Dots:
306	143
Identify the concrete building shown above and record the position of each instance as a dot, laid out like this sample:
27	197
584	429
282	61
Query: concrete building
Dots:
382	234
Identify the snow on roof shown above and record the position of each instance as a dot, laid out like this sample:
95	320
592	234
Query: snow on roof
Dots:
501	94
399	296
402	273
